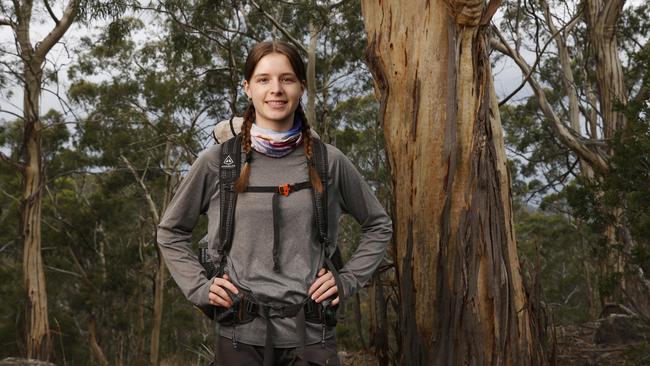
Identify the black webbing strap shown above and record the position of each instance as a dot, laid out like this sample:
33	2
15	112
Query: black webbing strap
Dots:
228	173
320	199
232	127
320	209
289	311
278	191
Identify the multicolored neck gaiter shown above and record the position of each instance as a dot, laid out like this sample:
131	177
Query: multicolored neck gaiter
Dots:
276	144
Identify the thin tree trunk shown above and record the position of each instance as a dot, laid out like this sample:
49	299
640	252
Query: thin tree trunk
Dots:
454	231
94	344
38	342
628	287
601	16
38	339
311	77
159	287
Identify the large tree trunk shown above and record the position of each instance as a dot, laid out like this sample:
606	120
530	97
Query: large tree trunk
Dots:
462	296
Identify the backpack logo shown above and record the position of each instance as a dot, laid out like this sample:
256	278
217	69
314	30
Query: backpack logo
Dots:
228	163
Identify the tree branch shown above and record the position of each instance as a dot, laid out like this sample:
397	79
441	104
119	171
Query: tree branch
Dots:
565	63
496	46
59	30
49	10
16	164
567	136
7	22
147	195
279	27
12	114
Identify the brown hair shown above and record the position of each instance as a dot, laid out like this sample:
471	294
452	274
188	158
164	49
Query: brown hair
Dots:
254	56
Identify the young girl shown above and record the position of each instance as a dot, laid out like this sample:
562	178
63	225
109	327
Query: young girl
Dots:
274	273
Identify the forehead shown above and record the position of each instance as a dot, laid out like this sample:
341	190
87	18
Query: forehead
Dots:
274	63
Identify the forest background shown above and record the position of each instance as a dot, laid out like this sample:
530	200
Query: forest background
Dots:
115	108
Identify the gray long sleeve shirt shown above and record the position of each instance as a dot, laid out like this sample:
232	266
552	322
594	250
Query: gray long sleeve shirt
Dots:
250	261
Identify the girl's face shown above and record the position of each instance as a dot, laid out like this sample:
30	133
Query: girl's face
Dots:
275	91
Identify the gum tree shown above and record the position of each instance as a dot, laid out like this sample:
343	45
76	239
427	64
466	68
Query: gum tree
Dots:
462	295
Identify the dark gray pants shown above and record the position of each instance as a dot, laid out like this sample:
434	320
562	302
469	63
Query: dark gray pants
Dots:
247	355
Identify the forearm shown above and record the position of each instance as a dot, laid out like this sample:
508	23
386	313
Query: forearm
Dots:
368	256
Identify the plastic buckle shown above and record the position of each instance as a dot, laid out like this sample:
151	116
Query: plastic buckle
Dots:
251	307
284	189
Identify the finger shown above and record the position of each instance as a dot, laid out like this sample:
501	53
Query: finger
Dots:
220	292
335	301
323	288
222	282
319	282
217	300
327	294
321	272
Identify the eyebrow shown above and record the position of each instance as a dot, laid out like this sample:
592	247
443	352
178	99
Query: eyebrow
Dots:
285	74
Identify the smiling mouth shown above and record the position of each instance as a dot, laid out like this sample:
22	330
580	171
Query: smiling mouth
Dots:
276	102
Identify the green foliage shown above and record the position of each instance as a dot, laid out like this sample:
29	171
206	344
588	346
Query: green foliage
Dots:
556	252
624	190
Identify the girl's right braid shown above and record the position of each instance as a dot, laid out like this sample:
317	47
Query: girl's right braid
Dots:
242	182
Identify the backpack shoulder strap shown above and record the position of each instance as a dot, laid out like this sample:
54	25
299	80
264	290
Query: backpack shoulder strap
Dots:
229	168
320	199
320	202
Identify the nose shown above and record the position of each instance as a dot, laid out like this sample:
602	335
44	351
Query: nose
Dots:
276	86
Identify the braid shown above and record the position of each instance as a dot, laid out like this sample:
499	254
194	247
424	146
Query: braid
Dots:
314	177
242	182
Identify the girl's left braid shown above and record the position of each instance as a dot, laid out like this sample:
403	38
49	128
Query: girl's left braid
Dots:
314	177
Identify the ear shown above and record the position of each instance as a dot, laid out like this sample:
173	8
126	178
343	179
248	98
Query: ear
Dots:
247	89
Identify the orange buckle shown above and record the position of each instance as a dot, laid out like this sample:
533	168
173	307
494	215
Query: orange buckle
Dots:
284	189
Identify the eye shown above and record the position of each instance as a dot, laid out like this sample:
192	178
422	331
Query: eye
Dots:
263	80
288	80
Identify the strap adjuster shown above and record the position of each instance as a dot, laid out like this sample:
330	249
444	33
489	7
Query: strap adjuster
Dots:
285	189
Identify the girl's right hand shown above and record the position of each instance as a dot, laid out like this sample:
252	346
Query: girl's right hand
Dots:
218	295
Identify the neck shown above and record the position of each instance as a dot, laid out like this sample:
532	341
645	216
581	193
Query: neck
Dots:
278	126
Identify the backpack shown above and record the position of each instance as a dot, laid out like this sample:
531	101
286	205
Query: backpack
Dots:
229	170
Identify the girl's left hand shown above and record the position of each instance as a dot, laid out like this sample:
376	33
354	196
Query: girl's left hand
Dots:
324	287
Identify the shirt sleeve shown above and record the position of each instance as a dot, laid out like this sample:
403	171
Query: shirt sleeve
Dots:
175	229
357	199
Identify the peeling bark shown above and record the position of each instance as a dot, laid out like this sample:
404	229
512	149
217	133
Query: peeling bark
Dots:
462	296
601	17
38	338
